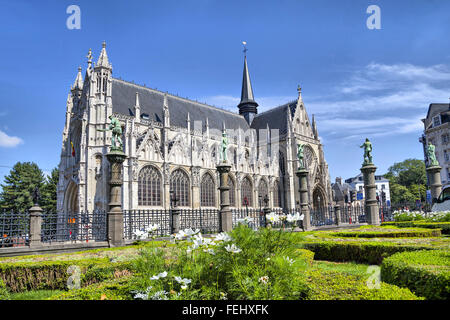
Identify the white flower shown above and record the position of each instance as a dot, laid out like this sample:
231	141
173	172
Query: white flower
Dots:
161	275
293	217
140	234
273	217
160	295
223	237
291	261
210	251
183	287
183	282
232	248
245	220
223	296
264	279
152	228
142	295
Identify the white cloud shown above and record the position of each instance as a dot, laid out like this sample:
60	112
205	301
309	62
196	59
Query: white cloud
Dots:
8	141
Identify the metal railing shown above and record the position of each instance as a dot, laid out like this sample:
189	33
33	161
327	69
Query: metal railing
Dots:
81	226
207	220
255	216
14	229
322	216
140	220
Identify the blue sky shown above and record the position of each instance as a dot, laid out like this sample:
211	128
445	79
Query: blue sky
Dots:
358	82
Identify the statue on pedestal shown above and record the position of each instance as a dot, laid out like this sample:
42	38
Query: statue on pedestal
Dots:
224	146
300	155
431	154
116	129
367	152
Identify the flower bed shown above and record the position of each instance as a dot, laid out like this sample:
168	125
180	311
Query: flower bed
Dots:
444	226
427	273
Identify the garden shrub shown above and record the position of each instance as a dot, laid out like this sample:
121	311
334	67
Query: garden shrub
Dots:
22	276
444	226
362	252
427	273
4	293
331	285
390	233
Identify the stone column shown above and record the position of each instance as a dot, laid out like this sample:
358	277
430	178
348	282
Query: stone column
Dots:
225	212
302	174
115	214
337	213
370	203
35	226
434	174
176	220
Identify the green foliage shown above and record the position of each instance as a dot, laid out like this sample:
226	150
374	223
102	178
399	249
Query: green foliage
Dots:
408	181
362	252
4	293
332	285
427	273
35	295
389	233
267	267
48	191
444	226
43	275
19	185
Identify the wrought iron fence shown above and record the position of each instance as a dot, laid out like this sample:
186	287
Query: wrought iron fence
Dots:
81	226
322	216
207	220
141	220
353	214
14	229
255	217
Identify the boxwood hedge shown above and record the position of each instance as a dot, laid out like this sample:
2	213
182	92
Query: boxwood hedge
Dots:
427	273
444	226
362	252
390	233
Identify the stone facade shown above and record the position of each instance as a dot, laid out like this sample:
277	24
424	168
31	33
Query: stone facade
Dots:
170	133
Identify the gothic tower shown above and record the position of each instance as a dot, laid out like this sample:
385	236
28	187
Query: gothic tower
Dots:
247	106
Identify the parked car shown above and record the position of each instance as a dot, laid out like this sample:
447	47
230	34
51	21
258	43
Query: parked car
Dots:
443	201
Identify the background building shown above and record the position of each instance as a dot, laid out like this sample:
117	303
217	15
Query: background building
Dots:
173	144
437	132
382	188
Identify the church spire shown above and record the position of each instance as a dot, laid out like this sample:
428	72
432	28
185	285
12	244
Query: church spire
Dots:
247	106
103	58
78	84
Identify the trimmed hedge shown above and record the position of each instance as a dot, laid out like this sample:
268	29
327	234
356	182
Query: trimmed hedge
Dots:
332	285
427	273
444	226
362	252
4	293
25	276
409	233
307	255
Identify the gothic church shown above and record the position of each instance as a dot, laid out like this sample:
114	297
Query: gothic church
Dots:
173	144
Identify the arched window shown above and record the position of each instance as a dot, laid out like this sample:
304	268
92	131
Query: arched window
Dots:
232	192
263	190
207	191
276	194
149	187
179	184
246	192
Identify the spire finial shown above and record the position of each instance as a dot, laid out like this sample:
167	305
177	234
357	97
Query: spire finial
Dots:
299	90
89	56
104	44
245	47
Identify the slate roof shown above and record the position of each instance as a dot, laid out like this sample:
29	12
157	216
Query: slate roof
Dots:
151	103
276	118
437	108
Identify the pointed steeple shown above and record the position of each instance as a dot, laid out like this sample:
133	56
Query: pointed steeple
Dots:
78	84
103	58
313	127
247	106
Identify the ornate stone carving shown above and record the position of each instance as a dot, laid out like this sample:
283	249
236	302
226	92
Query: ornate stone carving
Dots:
195	176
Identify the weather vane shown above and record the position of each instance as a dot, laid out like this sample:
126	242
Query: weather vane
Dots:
245	47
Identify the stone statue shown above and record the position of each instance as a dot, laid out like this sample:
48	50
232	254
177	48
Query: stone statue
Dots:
300	154
431	154
224	146
367	152
36	196
116	129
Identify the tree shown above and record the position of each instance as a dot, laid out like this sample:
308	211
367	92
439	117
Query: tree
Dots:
18	187
48	201
407	180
